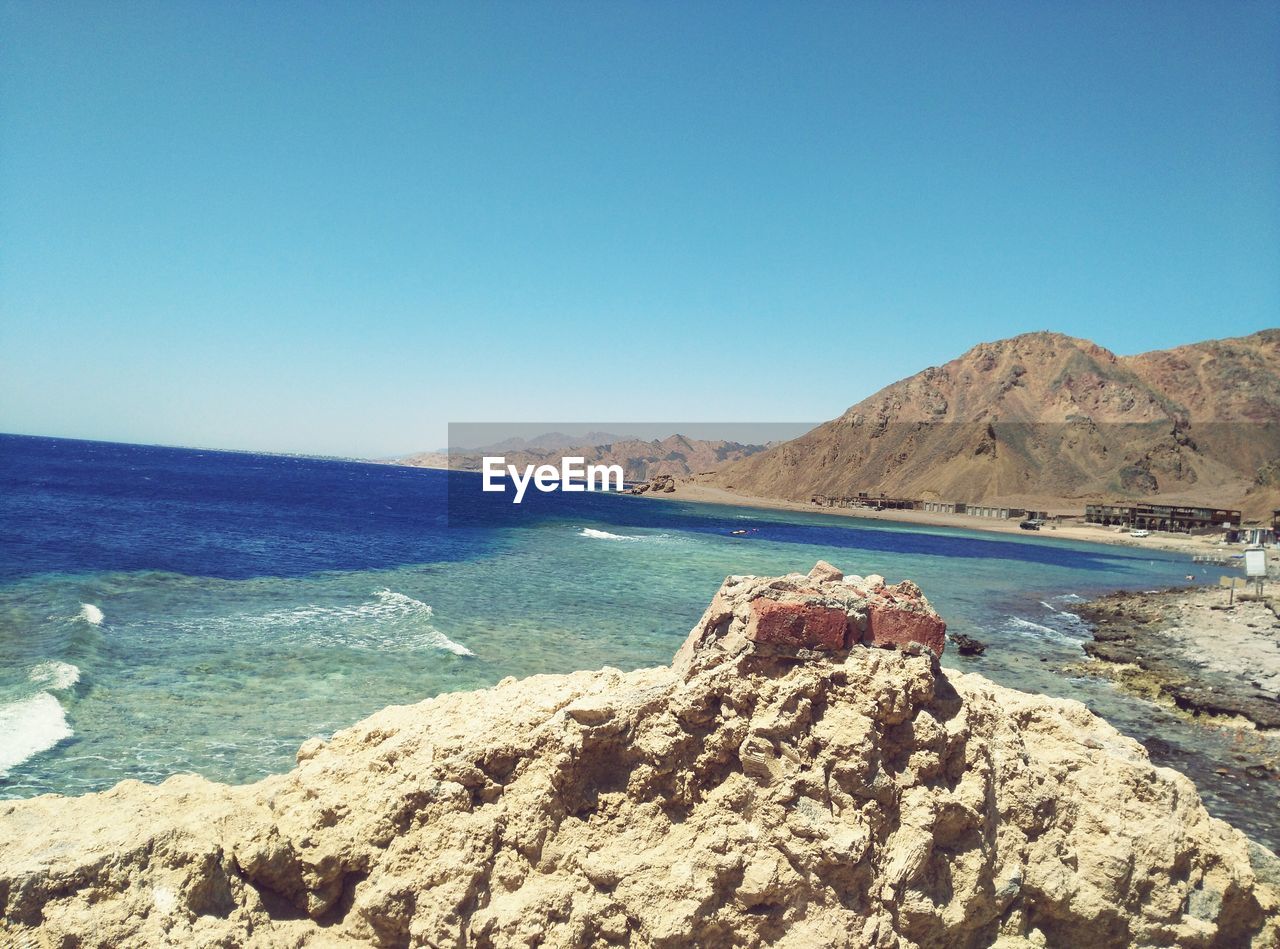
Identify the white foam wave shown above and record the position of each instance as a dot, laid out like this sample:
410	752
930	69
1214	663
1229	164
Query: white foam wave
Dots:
605	535
1073	634
1017	622
55	675
374	624
1049	606
30	727
594	534
1074	624
91	614
1069	598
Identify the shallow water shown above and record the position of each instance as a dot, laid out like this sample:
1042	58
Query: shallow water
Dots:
165	610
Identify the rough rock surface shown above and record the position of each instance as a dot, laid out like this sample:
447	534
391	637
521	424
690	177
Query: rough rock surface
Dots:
1191	646
663	483
675	455
752	793
824	611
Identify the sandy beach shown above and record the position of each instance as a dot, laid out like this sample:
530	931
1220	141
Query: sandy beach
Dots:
695	492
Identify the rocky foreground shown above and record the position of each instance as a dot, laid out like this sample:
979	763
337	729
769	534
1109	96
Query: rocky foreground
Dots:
784	781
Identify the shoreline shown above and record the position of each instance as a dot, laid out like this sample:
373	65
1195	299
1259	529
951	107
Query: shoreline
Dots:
1196	649
695	493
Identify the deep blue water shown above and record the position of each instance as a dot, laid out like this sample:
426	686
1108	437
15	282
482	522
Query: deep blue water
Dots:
76	506
166	609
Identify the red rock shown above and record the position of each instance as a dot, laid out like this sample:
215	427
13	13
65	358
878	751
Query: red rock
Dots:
887	626
797	625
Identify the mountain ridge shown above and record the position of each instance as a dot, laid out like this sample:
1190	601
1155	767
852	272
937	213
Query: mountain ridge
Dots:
676	455
1045	416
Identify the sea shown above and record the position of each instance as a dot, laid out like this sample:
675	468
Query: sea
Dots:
169	610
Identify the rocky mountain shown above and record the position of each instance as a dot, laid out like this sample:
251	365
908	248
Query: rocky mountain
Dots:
675	455
785	782
549	441
1043	420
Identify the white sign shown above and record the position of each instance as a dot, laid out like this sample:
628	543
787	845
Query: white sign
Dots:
1255	563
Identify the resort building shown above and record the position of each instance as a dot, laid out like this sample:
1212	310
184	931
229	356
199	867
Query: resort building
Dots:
987	510
863	499
884	503
1254	536
1160	517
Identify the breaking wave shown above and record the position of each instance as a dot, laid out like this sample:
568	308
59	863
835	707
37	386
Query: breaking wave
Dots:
390	620
91	614
1017	622
594	534
605	535
55	675
30	727
1073	620
1024	627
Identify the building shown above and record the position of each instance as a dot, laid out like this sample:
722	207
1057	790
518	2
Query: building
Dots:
988	510
981	510
1160	517
863	499
1254	536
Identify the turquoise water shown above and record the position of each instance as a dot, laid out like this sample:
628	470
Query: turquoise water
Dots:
355	594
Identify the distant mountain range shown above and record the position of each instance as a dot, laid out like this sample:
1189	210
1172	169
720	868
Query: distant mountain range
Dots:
640	460
1049	421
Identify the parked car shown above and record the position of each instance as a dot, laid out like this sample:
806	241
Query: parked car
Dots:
1030	525
1138	532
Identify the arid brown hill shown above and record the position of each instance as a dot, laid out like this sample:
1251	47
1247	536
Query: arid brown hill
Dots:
1046	420
674	455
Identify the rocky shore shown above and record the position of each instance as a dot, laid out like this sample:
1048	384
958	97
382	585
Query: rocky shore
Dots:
1203	650
804	773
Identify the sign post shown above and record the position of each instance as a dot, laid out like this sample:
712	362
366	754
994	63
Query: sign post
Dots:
1230	584
1255	565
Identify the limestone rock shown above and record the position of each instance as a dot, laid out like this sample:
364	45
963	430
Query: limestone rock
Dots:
799	797
823	571
794	613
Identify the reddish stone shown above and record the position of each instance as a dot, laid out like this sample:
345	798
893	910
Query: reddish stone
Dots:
797	625
887	626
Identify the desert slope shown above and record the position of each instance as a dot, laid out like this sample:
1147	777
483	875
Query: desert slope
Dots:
1046	417
783	782
675	455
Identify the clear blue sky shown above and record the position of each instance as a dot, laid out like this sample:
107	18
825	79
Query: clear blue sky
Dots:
335	227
